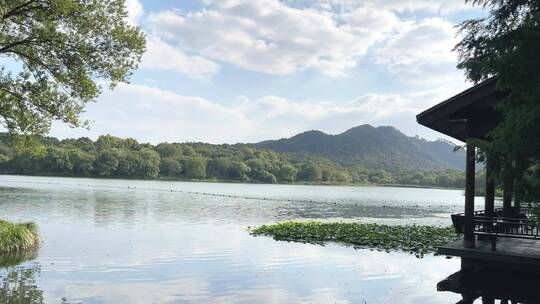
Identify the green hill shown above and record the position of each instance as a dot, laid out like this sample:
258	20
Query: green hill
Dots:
372	147
362	155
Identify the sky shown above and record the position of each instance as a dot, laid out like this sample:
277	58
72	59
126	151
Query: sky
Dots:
228	71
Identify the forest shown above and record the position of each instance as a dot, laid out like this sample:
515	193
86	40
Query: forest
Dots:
113	157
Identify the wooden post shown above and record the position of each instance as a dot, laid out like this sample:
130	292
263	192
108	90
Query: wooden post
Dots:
489	198
468	240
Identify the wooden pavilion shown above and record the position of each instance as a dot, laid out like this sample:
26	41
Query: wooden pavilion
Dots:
494	237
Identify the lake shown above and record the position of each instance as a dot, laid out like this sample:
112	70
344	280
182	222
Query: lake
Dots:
127	241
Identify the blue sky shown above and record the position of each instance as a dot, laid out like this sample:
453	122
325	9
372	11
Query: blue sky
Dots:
243	71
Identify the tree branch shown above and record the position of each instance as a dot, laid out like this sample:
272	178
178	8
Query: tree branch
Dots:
6	49
17	10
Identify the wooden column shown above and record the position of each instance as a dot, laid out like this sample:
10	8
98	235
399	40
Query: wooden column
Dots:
489	198
468	240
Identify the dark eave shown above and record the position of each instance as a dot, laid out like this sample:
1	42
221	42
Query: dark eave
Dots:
470	113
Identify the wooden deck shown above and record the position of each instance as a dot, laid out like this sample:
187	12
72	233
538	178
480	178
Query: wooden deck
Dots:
522	253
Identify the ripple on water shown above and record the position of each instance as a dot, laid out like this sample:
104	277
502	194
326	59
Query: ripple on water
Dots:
116	241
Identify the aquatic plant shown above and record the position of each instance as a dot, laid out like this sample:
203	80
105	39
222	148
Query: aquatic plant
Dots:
415	239
17	237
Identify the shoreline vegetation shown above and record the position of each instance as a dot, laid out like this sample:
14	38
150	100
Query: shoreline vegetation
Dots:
113	157
414	239
18	242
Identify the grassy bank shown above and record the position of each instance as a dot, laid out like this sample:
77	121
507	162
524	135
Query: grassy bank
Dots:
18	237
417	240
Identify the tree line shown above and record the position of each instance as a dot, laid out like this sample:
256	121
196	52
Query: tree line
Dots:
110	156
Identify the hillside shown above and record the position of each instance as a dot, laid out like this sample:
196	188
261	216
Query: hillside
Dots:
114	157
372	147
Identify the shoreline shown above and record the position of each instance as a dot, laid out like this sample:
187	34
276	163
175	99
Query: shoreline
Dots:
165	179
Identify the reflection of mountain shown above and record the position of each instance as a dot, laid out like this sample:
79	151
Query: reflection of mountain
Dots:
508	287
19	286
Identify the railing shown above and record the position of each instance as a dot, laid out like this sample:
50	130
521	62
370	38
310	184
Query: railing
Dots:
506	227
520	224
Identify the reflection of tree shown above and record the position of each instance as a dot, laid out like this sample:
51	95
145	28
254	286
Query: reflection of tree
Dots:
19	286
13	259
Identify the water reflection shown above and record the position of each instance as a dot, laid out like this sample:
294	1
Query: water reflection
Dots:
14	259
114	202
489	287
19	286
125	245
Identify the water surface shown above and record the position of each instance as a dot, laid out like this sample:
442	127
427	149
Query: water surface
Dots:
124	241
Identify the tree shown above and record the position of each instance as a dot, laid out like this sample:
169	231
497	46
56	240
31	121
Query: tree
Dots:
382	177
107	162
218	167
85	144
341	177
238	171
170	167
310	172
148	163
168	150
195	167
506	44
287	173
255	165
57	160
83	162
110	142
64	50
267	177
128	163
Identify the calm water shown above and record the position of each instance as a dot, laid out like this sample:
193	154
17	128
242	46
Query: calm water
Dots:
119	241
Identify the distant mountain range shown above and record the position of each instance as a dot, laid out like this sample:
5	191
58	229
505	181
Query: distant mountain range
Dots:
372	147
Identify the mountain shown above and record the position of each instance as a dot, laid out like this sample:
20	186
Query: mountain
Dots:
373	147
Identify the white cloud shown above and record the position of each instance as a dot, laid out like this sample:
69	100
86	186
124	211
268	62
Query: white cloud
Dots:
154	115
434	6
160	55
439	6
163	56
135	11
328	36
270	37
421	52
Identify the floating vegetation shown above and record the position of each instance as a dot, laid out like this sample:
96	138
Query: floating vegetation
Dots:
415	239
17	238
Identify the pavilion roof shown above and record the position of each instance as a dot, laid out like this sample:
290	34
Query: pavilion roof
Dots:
470	113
